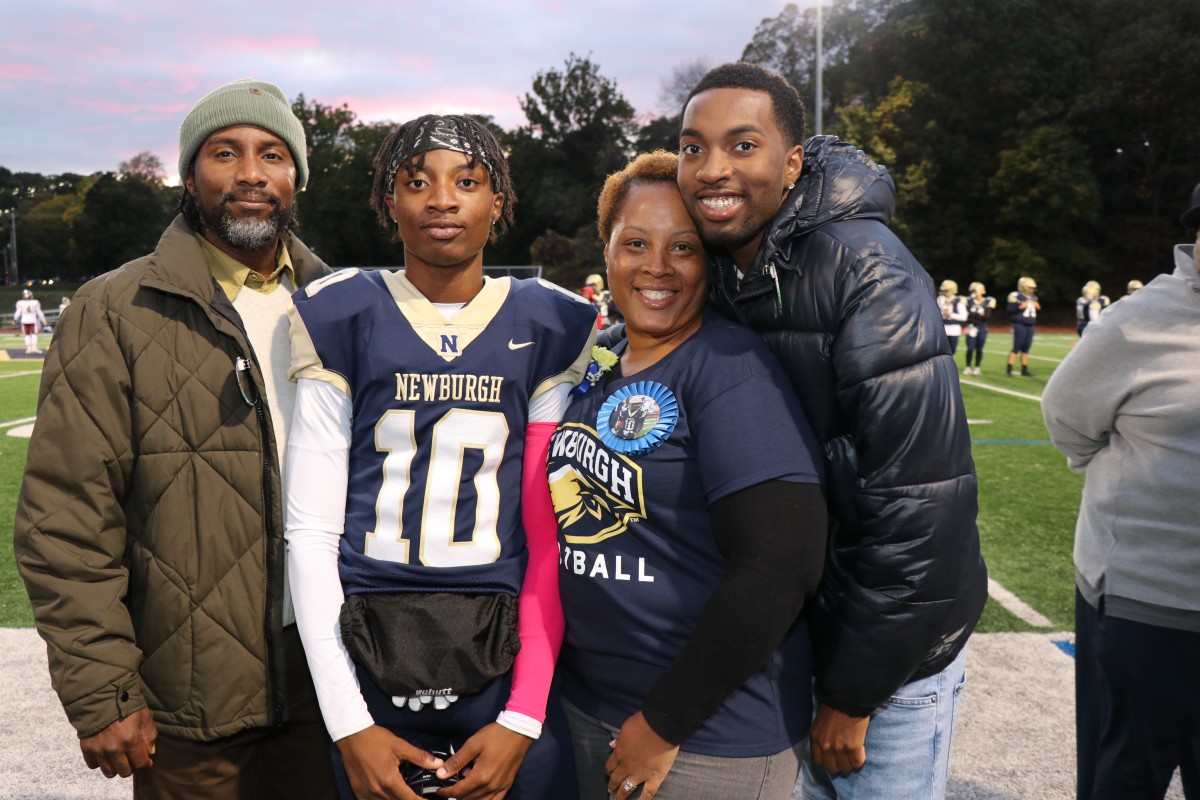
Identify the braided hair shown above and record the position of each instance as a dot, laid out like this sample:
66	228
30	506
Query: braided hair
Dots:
405	148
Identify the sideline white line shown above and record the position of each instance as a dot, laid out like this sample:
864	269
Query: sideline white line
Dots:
14	422
1015	605
19	374
988	351
989	387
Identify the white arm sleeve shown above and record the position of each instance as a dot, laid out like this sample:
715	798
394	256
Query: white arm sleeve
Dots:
959	310
550	405
318	460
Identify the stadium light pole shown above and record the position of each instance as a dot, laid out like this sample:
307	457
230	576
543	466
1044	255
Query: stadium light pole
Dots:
820	67
12	233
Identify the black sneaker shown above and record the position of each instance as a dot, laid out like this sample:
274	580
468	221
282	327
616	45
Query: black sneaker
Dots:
1025	373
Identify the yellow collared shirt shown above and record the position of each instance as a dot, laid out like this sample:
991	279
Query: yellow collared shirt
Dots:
232	274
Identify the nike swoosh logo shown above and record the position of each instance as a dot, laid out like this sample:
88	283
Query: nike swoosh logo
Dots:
514	346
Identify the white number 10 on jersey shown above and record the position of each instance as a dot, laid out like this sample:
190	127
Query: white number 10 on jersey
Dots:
458	431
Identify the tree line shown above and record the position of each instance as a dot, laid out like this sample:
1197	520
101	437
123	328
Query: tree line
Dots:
1058	140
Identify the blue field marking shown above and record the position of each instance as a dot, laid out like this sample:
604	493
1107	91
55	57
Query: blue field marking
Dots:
1066	645
1011	441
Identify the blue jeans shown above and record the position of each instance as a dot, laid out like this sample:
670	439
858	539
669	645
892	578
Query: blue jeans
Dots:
908	746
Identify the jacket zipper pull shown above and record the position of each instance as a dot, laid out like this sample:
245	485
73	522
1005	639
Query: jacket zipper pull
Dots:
245	381
778	292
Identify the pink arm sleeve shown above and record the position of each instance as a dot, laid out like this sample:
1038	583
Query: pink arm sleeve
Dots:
540	622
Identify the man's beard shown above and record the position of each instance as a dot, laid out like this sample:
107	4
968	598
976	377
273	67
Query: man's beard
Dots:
725	237
733	235
254	234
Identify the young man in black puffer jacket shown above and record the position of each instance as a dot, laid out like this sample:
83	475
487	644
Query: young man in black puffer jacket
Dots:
801	252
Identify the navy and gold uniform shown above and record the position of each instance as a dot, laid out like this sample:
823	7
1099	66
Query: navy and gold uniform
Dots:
1087	310
439	416
979	311
1023	319
634	467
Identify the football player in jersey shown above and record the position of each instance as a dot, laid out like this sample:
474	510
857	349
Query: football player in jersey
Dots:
417	497
1022	308
30	317
979	310
692	529
954	312
1089	305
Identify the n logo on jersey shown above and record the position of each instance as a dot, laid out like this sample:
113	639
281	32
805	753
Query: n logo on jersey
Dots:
450	343
596	493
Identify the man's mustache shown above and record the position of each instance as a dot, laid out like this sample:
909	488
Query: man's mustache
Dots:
250	197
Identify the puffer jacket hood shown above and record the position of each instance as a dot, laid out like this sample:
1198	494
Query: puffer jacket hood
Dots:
838	182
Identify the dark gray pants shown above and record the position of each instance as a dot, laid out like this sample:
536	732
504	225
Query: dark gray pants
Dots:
1137	707
281	763
692	777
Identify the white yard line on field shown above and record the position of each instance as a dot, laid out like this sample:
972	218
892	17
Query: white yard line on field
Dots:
1016	606
989	387
19	374
1036	358
14	422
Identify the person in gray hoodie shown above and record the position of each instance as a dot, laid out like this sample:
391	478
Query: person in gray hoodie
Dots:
1122	408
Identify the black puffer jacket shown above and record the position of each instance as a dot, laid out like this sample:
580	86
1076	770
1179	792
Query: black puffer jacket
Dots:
851	314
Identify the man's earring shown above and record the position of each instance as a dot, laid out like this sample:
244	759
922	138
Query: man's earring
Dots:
791	186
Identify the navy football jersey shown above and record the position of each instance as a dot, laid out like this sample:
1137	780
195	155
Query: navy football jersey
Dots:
1088	310
979	309
1018	315
634	467
439	416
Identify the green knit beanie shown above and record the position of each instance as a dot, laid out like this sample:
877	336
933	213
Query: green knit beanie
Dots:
244	102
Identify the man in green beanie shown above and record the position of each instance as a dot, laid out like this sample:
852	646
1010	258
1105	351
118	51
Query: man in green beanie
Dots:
149	527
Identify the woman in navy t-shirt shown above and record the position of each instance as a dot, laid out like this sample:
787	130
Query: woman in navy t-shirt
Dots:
692	529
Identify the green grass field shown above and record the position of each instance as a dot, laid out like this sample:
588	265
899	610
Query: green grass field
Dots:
1027	497
18	400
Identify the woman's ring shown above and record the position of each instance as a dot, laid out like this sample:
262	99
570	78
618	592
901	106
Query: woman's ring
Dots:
628	785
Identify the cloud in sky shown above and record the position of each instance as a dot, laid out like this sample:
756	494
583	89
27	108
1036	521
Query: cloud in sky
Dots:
86	85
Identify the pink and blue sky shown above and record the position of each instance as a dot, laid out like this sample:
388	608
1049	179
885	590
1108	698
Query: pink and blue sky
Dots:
86	85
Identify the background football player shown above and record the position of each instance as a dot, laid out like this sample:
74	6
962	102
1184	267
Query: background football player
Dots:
954	311
1022	310
32	319
1089	305
426	398
979	310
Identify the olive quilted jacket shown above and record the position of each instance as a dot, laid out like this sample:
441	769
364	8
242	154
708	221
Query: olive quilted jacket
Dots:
148	530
